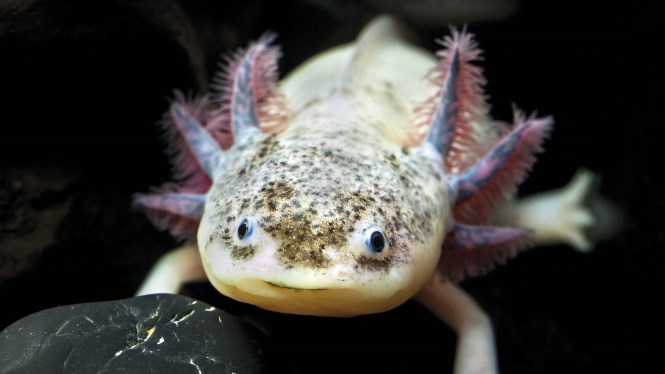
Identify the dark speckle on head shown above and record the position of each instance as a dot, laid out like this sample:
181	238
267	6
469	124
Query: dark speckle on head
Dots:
244	252
374	264
302	243
267	146
276	193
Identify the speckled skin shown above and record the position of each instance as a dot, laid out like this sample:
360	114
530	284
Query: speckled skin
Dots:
314	191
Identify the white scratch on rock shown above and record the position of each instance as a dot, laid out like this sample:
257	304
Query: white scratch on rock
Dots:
184	317
210	309
155	312
161	340
61	327
191	361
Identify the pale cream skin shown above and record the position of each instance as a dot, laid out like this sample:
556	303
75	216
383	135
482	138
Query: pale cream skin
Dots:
307	252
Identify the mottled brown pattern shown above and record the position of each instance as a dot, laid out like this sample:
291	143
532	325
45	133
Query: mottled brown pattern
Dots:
375	264
266	146
244	252
303	241
276	193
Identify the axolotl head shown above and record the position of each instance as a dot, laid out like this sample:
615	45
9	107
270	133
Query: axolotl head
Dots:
327	227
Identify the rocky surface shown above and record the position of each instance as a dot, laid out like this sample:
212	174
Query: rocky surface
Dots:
147	334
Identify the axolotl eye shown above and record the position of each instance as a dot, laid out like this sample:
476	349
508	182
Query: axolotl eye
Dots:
375	241
246	227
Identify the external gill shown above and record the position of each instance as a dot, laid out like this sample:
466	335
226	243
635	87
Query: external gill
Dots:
246	101
485	172
171	209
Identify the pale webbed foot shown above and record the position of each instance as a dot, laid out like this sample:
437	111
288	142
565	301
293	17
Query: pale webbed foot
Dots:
567	215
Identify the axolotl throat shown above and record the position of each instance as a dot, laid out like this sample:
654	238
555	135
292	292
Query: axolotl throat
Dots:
370	175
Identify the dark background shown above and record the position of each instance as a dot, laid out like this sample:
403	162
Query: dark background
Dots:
82	86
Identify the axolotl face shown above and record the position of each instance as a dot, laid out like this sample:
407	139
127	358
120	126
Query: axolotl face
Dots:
339	225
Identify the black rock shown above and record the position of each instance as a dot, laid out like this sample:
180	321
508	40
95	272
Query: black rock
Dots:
146	334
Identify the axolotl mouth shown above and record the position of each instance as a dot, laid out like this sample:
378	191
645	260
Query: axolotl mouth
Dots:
335	302
294	288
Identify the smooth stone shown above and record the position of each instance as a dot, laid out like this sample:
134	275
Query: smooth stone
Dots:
149	334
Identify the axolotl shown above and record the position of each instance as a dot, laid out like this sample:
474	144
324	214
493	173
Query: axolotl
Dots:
372	174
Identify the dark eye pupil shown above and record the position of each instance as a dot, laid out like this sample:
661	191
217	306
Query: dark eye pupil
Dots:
242	229
378	241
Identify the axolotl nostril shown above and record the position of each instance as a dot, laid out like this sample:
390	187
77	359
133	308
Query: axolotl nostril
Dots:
372	174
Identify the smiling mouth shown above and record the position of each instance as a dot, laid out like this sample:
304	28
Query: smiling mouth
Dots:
284	298
293	288
263	288
324	300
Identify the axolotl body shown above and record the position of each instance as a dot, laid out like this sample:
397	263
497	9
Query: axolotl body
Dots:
356	183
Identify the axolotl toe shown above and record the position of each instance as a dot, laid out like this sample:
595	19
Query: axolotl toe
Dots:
372	174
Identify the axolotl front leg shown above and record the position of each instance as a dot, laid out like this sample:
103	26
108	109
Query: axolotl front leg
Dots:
173	270
482	193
